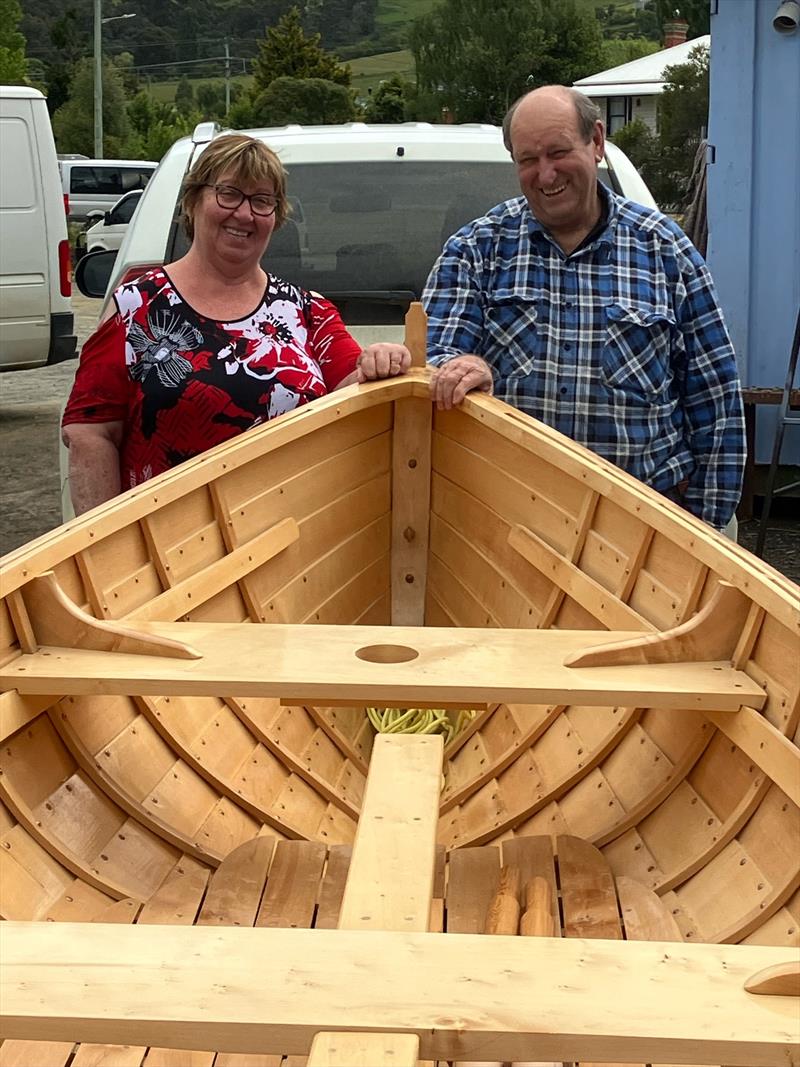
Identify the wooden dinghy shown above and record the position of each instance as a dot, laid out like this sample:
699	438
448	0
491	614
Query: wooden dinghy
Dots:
271	879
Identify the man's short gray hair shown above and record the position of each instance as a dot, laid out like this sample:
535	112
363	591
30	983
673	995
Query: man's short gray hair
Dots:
588	113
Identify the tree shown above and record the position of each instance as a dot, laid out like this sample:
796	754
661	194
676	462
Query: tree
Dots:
184	96
388	102
308	101
73	122
616	52
211	98
475	55
286	52
68	46
478	56
13	65
573	45
683	119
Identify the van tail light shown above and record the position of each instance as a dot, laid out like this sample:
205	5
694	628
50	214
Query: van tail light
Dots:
137	272
66	204
65	268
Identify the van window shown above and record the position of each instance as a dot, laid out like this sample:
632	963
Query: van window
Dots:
111	181
371	231
367	234
18	188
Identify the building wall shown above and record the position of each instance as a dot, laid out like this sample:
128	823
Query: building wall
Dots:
641	107
646	109
754	193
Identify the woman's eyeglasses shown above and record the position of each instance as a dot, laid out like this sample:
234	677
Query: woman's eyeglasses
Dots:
229	198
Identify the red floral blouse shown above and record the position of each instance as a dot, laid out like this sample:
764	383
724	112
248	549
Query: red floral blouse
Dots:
181	382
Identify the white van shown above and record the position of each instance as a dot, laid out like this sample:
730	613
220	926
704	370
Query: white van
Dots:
36	319
97	184
372	207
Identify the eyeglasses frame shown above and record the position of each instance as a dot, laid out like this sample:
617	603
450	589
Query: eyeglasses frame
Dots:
244	196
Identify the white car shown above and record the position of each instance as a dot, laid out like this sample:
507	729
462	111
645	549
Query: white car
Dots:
96	184
109	227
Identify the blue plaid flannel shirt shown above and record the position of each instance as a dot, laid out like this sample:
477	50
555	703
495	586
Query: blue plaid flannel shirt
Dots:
621	345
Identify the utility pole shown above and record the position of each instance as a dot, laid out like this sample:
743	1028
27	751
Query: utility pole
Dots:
227	77
98	80
98	73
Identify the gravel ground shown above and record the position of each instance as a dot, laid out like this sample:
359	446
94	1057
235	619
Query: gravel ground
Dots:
30	482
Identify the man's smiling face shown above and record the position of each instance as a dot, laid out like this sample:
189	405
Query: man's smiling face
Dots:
556	166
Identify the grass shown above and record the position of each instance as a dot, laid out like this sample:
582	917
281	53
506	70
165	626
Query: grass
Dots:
392	14
370	71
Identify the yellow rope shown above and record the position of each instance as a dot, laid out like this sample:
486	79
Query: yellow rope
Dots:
418	721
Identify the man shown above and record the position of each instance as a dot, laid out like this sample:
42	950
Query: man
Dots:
592	313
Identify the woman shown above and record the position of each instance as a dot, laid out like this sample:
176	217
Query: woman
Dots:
192	353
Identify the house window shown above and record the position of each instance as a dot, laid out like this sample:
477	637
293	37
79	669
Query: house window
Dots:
618	112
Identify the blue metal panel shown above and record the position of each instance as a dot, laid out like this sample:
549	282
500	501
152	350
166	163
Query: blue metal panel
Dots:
754	192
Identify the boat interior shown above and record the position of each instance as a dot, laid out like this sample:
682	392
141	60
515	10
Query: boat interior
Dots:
607	700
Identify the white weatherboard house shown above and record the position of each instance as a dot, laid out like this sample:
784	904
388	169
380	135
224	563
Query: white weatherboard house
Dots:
631	91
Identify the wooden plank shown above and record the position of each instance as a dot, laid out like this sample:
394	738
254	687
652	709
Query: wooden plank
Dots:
473	878
599	601
265	990
293	885
17	711
390	882
391	876
364	1050
330	898
766	746
213	579
411	498
234	893
588	895
645	915
36	1054
350	662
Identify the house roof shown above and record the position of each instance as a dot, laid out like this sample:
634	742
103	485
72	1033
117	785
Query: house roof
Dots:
640	77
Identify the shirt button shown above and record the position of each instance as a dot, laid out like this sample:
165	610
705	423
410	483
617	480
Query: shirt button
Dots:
567	346
567	303
563	390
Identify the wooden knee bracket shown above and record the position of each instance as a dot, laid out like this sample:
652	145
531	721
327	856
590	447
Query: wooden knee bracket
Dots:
709	636
57	620
782	980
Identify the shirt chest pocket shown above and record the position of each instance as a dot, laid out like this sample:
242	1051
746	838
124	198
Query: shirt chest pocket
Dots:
637	353
515	342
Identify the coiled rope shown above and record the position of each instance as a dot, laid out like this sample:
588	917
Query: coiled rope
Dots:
419	721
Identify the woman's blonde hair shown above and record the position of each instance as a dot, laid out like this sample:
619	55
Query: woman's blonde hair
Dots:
242	159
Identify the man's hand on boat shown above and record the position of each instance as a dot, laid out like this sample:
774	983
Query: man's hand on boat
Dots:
459	376
382	360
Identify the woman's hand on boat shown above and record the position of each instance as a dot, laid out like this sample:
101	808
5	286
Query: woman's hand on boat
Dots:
382	360
463	374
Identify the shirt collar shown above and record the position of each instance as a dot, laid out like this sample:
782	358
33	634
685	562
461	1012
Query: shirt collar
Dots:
602	232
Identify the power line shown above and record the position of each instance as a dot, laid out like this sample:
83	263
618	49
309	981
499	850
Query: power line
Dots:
189	62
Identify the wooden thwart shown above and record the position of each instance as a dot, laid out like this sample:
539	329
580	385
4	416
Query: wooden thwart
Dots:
397	666
272	990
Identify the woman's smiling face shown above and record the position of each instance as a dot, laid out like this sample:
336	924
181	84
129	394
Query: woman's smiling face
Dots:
237	234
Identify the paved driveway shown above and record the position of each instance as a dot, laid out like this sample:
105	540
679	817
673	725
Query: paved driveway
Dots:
30	407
